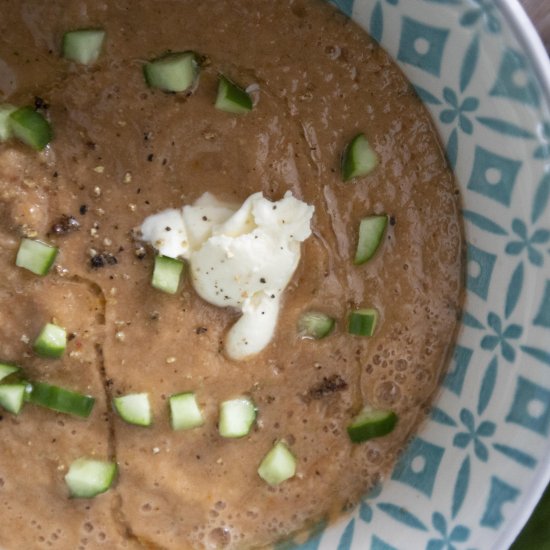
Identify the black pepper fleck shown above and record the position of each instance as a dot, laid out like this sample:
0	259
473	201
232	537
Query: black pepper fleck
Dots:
201	330
150	157
39	103
103	259
392	220
83	209
65	224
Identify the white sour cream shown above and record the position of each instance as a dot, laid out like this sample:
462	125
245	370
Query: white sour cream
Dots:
242	257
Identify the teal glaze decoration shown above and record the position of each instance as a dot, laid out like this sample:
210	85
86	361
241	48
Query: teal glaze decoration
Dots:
466	480
480	265
419	465
531	407
454	380
379	544
514	81
500	493
422	45
542	318
493	175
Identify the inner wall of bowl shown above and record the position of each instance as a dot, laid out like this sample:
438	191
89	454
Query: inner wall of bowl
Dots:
473	474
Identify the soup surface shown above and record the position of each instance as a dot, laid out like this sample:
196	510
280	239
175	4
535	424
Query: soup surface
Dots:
121	152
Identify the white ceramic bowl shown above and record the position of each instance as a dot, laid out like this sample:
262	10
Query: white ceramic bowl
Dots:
472	476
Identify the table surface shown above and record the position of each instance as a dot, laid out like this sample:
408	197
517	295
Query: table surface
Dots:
539	11
536	534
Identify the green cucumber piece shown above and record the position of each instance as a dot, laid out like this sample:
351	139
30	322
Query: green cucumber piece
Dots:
359	158
6	370
134	408
83	45
173	72
36	256
278	465
88	477
167	274
236	417
12	396
371	423
59	399
316	325
30	127
371	231
232	98
362	322
5	127
51	342
185	413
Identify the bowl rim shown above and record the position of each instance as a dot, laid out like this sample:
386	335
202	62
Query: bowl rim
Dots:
531	43
529	39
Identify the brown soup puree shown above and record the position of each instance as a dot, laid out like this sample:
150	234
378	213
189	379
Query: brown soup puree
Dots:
122	152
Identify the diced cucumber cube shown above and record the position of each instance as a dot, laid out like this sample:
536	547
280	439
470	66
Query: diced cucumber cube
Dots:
167	274
371	231
173	72
36	256
359	158
134	408
316	325
371	423
5	127
51	341
362	322
88	477
6	370
185	413
278	465
236	417
83	45
30	127
232	98
59	399
12	396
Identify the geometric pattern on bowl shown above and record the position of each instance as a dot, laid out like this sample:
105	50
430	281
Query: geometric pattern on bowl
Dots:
473	474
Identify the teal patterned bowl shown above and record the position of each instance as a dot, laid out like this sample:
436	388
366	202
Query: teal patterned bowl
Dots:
472	476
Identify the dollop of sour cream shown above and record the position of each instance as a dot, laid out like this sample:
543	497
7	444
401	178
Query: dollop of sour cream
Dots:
239	256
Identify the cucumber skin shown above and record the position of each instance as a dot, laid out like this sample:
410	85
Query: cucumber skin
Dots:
232	98
349	168
356	322
25	122
59	399
372	430
366	252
